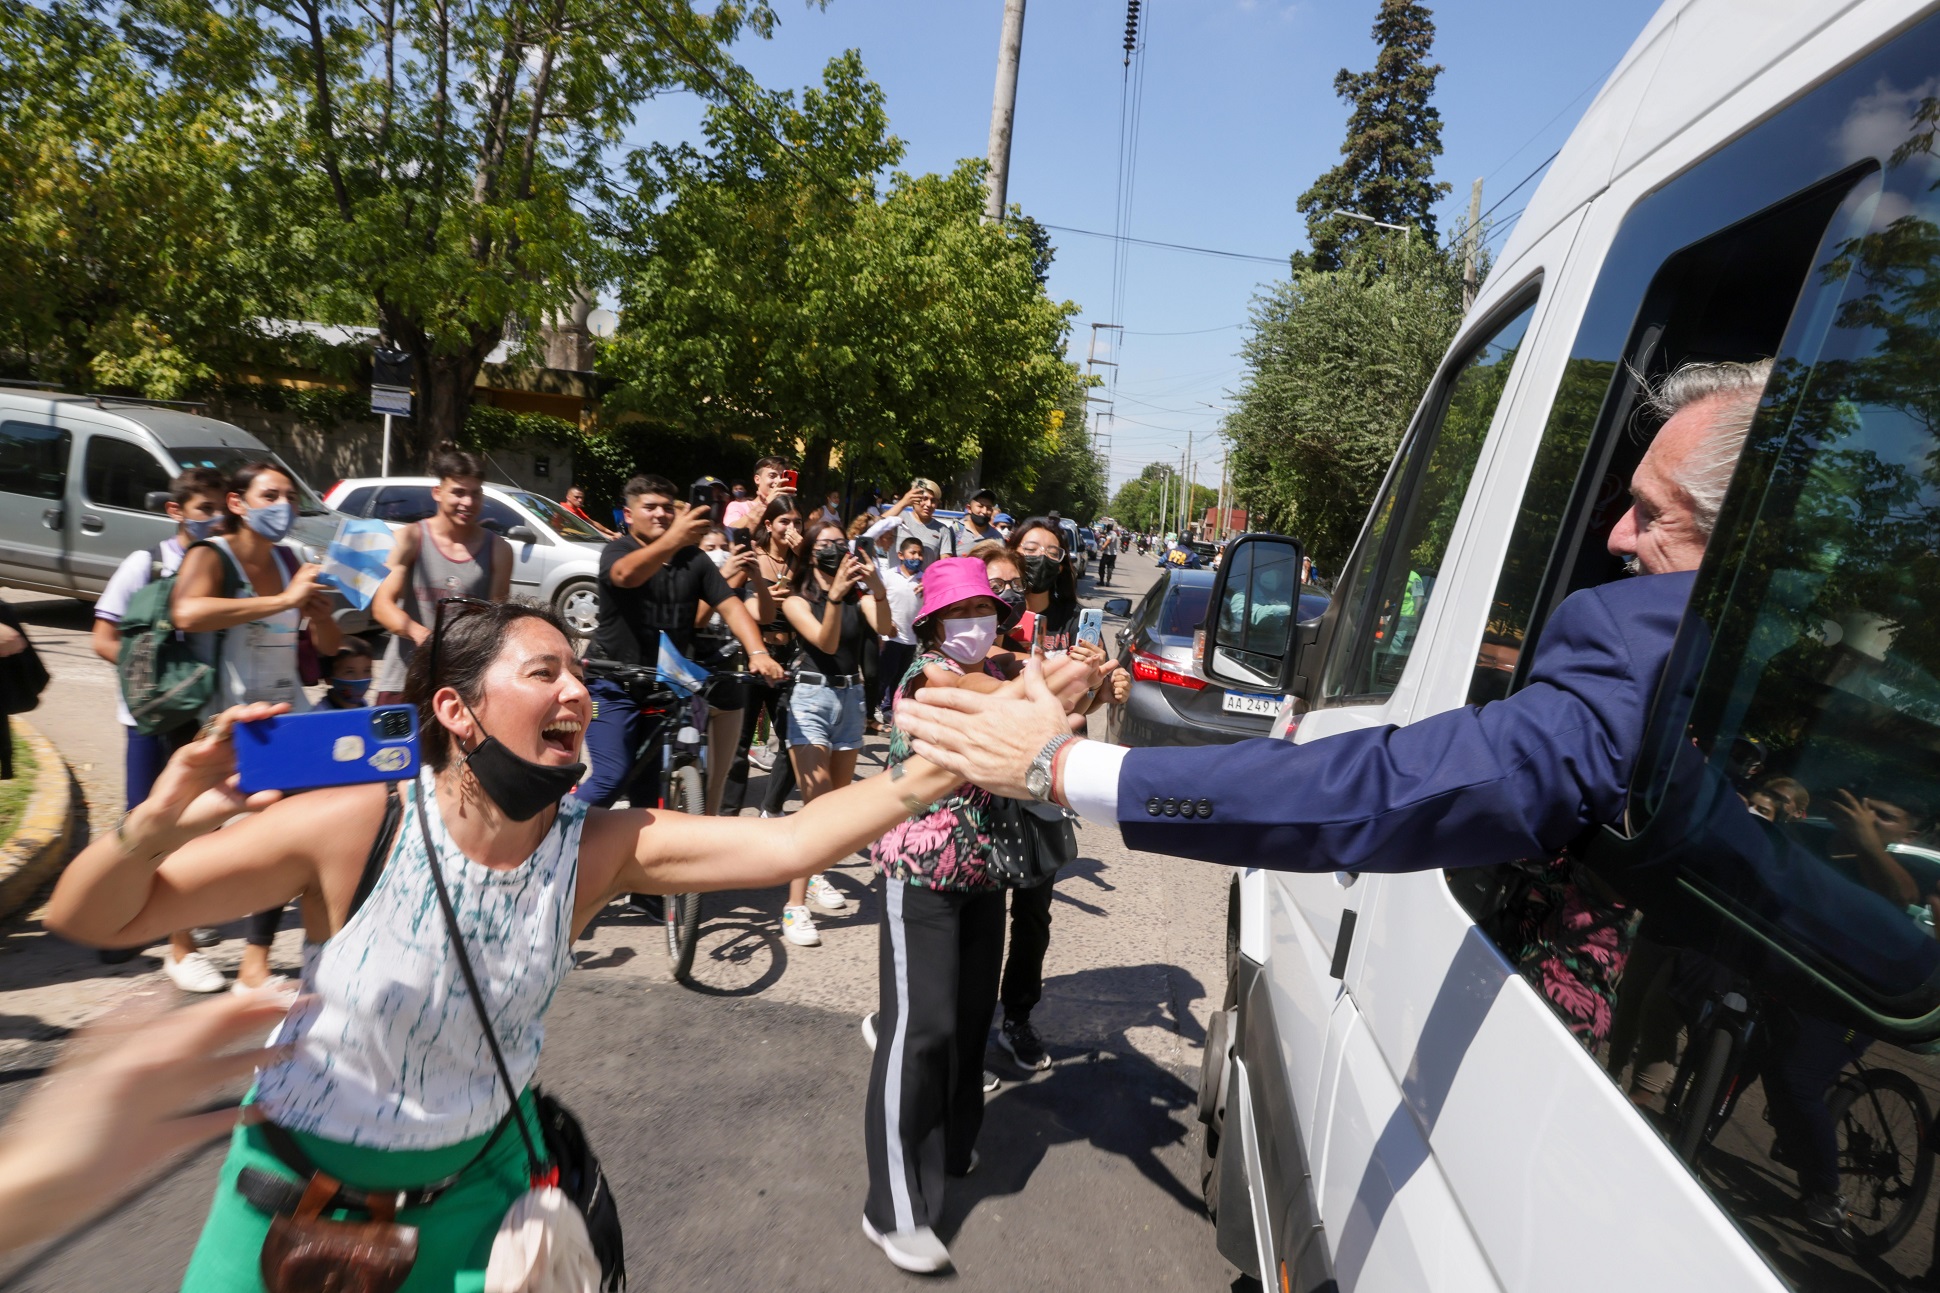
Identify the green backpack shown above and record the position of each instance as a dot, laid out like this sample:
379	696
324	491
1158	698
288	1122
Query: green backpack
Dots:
164	682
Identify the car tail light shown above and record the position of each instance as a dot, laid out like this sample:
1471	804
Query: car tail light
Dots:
1147	667
334	488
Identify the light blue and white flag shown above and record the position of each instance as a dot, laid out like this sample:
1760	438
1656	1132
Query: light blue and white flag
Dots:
677	671
354	565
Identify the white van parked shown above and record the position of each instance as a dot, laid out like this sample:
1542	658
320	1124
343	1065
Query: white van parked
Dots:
1559	1074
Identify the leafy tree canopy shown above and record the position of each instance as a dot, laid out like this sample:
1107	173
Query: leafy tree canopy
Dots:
792	299
1387	167
1150	501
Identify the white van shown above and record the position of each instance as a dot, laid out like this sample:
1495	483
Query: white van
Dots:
1409	1087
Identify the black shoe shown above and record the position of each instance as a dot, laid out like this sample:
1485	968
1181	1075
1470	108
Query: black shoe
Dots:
650	905
1020	1039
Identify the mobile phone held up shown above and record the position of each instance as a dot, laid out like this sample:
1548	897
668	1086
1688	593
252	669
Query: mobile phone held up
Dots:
1091	626
700	494
327	747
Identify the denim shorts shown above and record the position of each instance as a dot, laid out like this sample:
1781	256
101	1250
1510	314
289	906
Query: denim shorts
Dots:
826	716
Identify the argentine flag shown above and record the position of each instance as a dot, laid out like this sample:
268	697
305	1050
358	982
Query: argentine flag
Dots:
354	565
677	671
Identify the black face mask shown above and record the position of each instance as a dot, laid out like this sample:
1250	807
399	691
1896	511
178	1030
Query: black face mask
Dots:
1040	572
521	788
829	560
1013	608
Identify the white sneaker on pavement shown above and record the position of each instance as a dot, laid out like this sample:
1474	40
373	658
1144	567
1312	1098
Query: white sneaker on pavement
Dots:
825	895
869	1030
798	927
274	983
917	1250
193	973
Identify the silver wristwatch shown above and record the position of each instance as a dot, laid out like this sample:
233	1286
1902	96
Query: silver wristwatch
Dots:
1038	779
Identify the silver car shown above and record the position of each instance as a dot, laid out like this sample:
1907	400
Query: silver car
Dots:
557	553
84	478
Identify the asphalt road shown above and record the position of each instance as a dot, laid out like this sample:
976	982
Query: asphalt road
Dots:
729	1117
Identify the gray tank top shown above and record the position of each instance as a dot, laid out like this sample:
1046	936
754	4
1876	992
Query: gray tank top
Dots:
434	575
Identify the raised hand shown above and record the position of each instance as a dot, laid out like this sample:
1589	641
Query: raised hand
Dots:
988	738
196	792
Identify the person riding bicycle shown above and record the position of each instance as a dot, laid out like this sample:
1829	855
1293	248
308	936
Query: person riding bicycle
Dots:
653	579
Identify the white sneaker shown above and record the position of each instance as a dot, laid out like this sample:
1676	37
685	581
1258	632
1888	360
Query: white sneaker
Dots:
990	1083
798	927
917	1250
274	983
762	757
869	1030
193	973
825	895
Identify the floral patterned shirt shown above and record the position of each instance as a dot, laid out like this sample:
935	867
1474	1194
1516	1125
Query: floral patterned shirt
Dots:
949	846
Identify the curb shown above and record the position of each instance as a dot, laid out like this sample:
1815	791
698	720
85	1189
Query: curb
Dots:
38	849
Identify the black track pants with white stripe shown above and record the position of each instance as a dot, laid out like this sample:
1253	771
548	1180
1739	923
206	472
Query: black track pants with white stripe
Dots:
940	953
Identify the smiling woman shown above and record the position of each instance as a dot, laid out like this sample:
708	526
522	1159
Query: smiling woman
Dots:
380	1082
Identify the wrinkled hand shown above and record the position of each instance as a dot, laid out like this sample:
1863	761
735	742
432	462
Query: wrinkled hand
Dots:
197	792
12	641
121	1102
988	738
1071	680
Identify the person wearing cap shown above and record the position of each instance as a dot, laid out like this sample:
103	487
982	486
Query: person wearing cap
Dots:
917	512
941	946
976	525
1003	523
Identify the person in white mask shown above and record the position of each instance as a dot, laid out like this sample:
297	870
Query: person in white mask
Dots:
942	944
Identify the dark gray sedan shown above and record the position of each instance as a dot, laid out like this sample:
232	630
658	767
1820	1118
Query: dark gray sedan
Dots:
1171	702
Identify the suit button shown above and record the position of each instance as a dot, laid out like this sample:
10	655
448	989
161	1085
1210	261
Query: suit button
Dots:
1205	808
1152	806
1171	808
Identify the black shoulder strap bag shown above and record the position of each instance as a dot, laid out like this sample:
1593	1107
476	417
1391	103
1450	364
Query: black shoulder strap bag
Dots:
574	1167
1031	841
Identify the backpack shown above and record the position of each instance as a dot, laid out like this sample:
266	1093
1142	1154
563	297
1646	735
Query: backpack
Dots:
164	682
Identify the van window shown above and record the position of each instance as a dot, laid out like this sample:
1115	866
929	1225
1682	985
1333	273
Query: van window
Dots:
1400	556
120	473
33	459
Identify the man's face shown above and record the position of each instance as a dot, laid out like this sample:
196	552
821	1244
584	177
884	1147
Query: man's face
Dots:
649	515
1660	529
924	505
1895	824
981	510
459	498
766	482
576	497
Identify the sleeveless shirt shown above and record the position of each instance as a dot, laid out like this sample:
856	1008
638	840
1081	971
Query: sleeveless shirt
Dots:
390	1053
257	660
434	575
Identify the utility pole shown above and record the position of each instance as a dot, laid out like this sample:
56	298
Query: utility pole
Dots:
1003	111
1470	241
1165	500
1223	507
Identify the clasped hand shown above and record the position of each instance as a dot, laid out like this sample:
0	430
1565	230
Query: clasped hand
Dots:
989	739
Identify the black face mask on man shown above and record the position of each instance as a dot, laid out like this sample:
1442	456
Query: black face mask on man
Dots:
1040	572
829	560
521	788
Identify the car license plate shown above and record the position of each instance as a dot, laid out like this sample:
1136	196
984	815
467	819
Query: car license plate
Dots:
1240	702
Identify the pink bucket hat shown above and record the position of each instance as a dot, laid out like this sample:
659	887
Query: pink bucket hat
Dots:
950	580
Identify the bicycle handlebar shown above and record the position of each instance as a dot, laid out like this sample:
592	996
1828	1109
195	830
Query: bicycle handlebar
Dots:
621	672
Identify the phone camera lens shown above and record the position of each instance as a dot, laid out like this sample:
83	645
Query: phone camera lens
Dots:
393	724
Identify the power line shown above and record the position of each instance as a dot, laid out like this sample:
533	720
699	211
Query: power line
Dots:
1553	120
1169	246
1519	183
1194	332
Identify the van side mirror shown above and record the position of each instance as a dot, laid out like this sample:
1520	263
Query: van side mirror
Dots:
1252	630
521	534
155	500
1119	606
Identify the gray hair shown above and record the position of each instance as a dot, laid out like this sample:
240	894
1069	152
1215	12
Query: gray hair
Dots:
1705	474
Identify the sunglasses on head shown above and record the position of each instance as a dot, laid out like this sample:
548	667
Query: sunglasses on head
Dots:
460	607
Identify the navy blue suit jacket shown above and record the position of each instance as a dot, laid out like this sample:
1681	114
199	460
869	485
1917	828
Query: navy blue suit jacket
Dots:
1521	777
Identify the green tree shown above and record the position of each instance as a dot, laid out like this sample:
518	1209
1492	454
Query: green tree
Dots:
1394	135
1336	362
1069	479
780	299
1150	501
120	200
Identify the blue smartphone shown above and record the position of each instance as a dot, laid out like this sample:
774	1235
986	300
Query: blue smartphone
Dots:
327	747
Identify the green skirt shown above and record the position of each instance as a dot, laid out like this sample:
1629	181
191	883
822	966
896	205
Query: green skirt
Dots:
454	1234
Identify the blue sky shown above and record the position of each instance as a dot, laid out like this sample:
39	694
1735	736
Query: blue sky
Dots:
1239	117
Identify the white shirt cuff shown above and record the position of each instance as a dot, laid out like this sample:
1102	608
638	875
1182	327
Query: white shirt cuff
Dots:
1088	781
881	528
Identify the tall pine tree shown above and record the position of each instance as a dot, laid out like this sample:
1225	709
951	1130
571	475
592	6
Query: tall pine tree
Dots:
1393	137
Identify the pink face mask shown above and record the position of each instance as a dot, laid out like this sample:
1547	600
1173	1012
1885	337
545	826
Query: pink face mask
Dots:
968	641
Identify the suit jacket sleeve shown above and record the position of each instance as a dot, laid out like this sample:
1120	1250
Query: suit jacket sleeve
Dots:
1518	778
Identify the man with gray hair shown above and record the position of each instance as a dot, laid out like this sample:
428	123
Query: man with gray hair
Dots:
1520	778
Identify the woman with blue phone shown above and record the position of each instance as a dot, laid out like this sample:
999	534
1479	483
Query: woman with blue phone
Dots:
385	1087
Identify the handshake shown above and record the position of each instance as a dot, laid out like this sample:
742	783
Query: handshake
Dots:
990	738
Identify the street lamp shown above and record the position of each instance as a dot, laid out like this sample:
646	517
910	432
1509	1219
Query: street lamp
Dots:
1407	230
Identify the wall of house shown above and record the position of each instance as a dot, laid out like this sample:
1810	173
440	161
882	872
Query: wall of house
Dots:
323	455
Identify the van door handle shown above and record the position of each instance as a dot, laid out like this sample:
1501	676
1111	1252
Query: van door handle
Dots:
51	518
92	524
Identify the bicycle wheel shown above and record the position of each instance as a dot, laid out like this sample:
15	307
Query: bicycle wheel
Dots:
1885	1163
1699	1100
684	909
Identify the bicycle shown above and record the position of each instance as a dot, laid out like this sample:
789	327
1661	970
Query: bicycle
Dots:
682	748
1883	1123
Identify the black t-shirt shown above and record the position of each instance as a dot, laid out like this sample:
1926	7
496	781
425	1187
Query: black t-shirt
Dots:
632	619
847	656
1051	631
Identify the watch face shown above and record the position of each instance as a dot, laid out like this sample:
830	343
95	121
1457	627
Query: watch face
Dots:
1038	781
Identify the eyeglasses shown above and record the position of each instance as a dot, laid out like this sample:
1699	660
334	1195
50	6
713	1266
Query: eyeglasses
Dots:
1007	585
1055	554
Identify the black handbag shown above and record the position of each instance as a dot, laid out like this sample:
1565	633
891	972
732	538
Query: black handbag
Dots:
1031	841
580	1177
22	677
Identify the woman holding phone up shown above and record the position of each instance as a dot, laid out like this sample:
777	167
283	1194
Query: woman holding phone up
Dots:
379	1079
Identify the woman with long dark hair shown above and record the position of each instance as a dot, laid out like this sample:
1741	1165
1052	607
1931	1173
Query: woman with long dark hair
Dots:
378	1077
836	602
776	540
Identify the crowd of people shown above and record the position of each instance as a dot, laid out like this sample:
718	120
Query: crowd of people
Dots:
530	742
